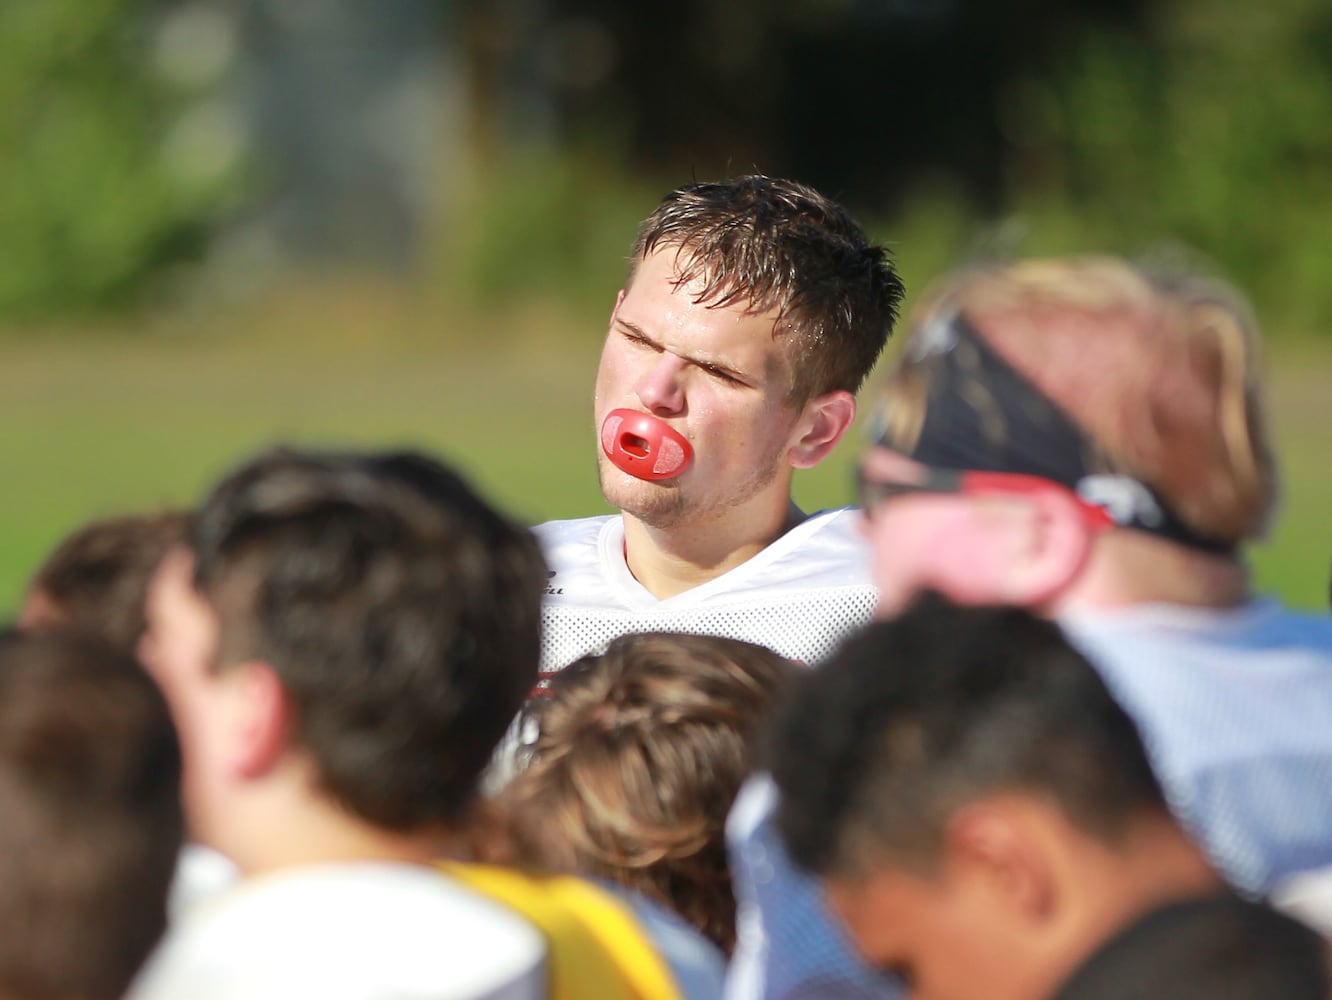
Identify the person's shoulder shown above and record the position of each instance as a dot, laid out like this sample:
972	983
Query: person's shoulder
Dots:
201	873
600	945
836	523
572	531
1172	950
408	926
576	547
825	549
563	525
698	965
1257	629
1311	628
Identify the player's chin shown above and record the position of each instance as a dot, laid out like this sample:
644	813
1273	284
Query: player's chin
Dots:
657	503
619	488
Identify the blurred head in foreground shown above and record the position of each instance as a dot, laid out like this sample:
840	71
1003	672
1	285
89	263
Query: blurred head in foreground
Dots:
97	579
1068	430
640	753
981	812
345	639
90	817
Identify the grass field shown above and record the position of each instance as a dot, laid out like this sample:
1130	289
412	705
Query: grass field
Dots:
92	427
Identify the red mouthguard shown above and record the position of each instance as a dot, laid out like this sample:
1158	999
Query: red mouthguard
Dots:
643	446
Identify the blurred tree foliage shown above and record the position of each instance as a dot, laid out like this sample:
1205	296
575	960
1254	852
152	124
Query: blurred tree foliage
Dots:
1110	124
1212	126
91	202
1100	124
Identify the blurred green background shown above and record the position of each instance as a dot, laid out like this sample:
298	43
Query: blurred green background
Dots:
230	222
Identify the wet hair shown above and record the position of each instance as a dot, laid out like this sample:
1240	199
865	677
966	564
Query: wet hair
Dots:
97	579
399	610
774	244
640	753
915	717
1159	369
90	816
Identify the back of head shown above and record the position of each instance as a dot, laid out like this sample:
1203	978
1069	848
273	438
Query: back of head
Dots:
90	817
399	611
640	753
918	716
1219	946
1157	373
97	579
779	245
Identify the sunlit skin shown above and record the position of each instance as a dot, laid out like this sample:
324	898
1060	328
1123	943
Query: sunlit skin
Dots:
959	545
721	378
1018	896
1034	550
934	934
177	648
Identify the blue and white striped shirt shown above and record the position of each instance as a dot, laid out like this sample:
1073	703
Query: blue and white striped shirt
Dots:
1235	709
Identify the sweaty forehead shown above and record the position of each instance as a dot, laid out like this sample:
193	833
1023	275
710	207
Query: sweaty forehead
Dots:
662	303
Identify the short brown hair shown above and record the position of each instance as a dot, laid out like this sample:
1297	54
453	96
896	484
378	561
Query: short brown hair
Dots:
97	579
1160	370
399	610
640	753
90	816
777	244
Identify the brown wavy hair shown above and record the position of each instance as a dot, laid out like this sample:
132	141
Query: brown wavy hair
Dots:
639	754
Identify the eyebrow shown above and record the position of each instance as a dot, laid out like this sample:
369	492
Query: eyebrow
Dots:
716	364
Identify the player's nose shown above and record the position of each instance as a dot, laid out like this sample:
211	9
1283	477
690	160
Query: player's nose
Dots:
661	387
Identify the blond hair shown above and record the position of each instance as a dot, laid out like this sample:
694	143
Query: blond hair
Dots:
1162	372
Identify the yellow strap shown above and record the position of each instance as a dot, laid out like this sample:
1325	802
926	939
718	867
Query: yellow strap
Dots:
596	946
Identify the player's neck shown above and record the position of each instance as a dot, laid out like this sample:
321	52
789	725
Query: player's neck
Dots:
301	829
1133	568
669	561
1106	887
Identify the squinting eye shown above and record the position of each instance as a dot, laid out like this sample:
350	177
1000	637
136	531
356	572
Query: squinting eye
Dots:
721	376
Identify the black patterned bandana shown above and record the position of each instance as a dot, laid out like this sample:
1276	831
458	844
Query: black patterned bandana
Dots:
983	415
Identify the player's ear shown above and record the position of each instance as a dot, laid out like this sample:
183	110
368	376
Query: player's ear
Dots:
1052	545
822	423
1002	848
259	717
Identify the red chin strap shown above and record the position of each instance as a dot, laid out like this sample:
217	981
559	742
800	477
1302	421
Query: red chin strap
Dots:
643	446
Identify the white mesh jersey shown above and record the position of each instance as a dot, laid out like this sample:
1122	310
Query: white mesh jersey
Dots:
800	596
